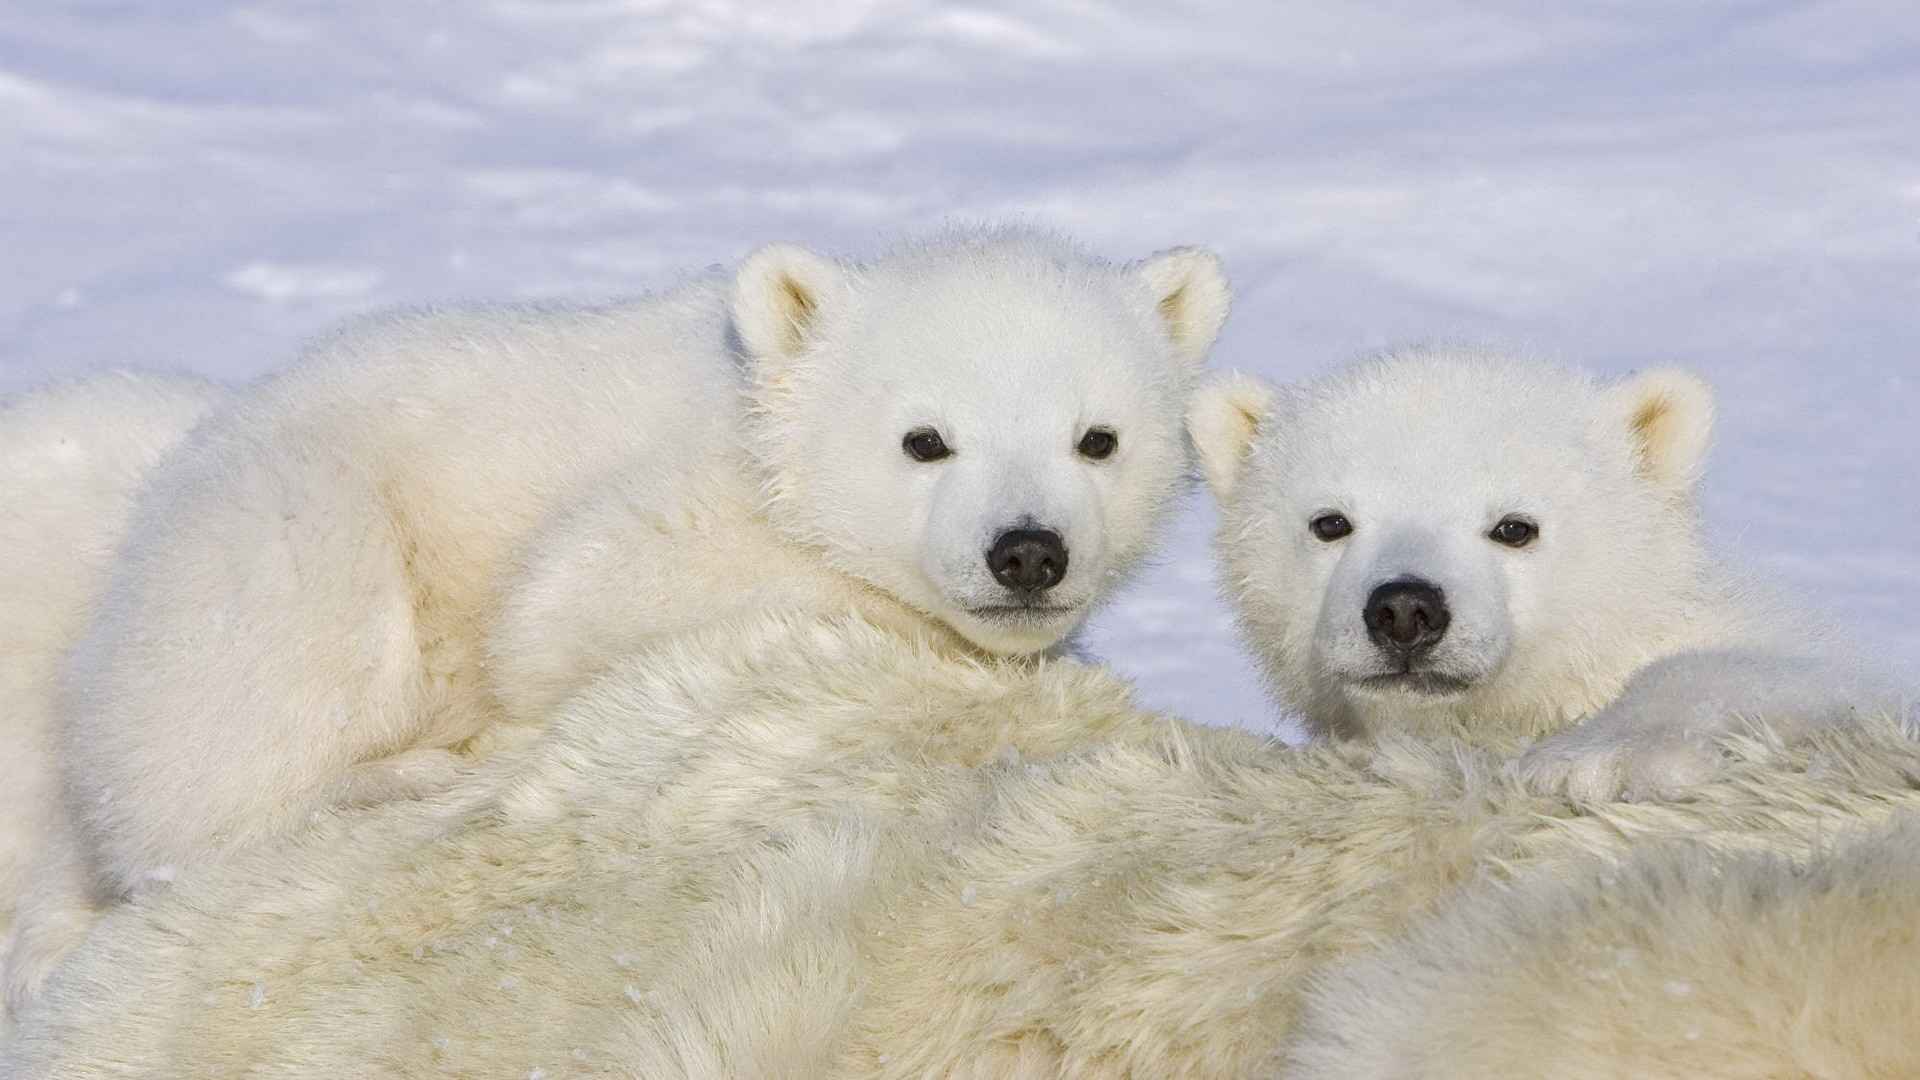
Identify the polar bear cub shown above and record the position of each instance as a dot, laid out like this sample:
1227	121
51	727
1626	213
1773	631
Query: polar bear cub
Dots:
978	433
986	467
1445	540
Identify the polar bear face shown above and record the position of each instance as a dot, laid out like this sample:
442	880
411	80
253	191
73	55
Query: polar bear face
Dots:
988	427
1441	539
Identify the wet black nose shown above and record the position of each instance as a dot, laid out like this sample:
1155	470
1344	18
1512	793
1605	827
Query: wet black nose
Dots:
1408	616
1031	560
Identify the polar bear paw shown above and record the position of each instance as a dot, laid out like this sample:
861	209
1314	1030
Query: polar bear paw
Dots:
1664	733
1599	762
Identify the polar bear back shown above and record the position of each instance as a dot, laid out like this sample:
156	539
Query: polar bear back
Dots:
809	846
473	423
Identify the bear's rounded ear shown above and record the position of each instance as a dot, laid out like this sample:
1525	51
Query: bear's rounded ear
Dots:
779	294
1668	415
1191	297
1225	415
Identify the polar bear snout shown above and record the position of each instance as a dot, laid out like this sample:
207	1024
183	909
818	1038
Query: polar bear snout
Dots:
1407	617
1028	561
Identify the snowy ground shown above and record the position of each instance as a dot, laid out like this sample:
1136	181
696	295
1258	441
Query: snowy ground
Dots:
1732	185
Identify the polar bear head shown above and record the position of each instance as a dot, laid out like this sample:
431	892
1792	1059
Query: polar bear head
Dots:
1446	540
987	425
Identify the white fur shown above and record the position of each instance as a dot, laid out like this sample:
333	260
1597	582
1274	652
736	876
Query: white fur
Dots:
1682	961
1425	452
793	846
1019	353
71	457
336	585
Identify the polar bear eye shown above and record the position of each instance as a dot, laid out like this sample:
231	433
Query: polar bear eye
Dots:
1515	532
925	444
1098	444
1330	527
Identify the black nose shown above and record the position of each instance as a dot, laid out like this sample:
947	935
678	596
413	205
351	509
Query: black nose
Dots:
1408	616
1031	560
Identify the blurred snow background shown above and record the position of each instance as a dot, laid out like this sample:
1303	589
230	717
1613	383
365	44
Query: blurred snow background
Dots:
1729	184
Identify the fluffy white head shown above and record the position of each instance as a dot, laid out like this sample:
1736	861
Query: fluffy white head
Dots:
1441	539
986	425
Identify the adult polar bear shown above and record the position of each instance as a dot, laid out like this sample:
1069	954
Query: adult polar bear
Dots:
1449	541
977	435
794	846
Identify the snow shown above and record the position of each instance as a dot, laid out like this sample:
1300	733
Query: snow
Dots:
1731	185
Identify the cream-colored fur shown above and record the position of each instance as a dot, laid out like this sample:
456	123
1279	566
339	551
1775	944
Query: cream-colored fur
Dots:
303	615
789	846
608	580
71	458
1681	961
1614	617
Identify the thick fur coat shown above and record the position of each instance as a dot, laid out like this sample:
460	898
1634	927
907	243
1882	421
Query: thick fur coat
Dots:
1682	960
363	572
803	847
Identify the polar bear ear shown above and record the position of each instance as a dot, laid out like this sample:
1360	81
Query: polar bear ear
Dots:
779	295
1191	296
1225	415
1668	414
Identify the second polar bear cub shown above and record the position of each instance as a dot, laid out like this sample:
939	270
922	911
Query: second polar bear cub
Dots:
974	435
1445	540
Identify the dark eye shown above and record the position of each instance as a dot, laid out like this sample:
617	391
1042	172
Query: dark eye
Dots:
925	444
1098	444
1330	527
1514	532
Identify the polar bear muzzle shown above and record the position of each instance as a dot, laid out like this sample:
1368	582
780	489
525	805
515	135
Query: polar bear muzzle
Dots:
1406	618
1028	561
